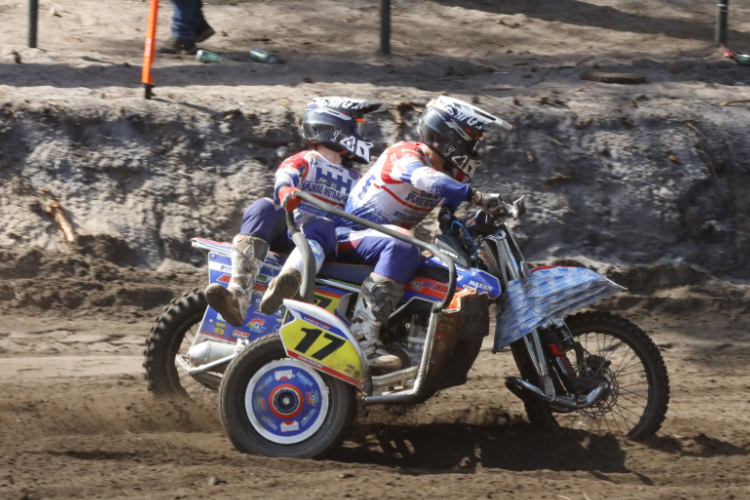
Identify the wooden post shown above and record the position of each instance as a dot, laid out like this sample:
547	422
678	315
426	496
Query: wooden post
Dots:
33	22
722	13
385	26
149	48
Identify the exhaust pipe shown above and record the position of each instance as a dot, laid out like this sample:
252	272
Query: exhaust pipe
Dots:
521	388
210	351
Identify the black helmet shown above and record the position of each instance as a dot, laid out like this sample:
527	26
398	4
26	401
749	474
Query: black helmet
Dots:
452	128
335	122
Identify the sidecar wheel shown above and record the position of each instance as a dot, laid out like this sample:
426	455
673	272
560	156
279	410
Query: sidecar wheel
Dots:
276	406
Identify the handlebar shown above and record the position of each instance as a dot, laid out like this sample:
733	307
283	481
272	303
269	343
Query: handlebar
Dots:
308	198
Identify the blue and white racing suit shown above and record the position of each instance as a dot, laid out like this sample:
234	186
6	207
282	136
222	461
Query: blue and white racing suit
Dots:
400	190
312	173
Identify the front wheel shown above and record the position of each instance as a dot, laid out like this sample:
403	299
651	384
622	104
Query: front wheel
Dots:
276	406
634	369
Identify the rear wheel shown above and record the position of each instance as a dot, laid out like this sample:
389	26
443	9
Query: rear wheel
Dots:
276	406
633	367
171	336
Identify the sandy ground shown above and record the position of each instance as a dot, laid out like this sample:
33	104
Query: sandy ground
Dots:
82	425
76	420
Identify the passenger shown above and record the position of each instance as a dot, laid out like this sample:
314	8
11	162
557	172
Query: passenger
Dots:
331	129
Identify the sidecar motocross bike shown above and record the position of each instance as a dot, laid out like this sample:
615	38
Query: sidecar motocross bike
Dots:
289	384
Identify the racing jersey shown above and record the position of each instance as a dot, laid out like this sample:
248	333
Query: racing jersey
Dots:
402	188
312	173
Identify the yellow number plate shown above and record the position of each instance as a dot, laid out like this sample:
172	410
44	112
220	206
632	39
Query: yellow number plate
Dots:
327	349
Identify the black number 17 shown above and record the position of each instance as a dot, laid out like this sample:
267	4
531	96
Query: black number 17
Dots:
311	335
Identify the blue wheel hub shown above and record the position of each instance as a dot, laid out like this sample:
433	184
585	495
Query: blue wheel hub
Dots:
286	401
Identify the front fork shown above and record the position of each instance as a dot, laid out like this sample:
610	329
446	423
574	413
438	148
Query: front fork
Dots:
511	268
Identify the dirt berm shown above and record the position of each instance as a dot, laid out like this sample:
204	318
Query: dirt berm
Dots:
640	187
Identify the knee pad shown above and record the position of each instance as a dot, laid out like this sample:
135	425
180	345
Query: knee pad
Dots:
251	246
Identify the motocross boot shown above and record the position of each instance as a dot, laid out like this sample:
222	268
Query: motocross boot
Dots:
284	286
248	255
287	284
378	298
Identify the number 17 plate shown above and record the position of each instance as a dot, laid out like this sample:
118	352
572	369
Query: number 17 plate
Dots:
318	338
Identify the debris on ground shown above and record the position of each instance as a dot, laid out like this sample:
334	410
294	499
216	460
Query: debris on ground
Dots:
54	208
613	77
740	59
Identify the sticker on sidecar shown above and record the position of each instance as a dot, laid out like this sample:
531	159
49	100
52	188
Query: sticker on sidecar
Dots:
324	346
256	324
546	294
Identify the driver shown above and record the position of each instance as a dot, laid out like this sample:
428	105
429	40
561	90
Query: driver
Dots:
331	128
399	191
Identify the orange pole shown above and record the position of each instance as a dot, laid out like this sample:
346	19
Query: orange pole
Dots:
149	48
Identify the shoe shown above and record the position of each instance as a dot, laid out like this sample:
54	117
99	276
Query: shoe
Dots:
203	32
378	359
284	286
175	45
229	305
248	255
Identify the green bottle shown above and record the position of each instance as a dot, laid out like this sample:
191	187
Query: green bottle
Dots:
205	56
740	59
263	56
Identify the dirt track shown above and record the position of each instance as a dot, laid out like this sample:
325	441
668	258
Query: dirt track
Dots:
83	425
138	179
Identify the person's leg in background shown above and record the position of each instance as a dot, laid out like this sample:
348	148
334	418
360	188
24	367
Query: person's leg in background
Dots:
203	31
188	27
395	262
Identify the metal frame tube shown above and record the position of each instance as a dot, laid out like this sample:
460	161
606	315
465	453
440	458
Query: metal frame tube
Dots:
452	276
213	364
391	379
414	393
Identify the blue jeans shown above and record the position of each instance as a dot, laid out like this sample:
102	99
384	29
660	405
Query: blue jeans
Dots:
188	14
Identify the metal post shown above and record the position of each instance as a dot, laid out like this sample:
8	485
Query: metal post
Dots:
722	12
385	26
33	22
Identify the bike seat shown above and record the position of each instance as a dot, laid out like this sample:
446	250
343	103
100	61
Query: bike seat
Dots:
349	273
